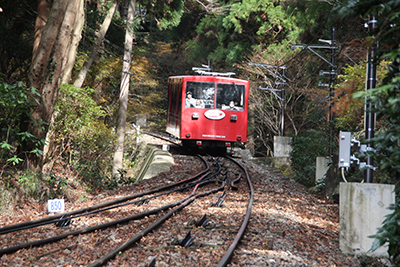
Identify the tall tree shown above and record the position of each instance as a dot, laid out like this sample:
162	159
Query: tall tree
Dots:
43	11
93	51
167	14
77	35
46	71
231	33
123	97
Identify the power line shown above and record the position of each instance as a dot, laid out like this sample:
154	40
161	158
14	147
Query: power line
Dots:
331	44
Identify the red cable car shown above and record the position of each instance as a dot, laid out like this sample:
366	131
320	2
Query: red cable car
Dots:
208	111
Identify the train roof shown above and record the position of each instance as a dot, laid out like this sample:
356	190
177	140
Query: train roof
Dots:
206	77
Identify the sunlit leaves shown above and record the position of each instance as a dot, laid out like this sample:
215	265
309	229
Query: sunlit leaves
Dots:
15	160
349	95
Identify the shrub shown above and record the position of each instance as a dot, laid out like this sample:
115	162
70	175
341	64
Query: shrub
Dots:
79	135
390	233
305	148
16	101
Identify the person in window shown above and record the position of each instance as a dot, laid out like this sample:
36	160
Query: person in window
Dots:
199	104
190	101
231	106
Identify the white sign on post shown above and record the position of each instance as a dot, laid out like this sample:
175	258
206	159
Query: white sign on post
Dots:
55	205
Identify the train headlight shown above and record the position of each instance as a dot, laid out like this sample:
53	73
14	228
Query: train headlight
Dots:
195	116
233	117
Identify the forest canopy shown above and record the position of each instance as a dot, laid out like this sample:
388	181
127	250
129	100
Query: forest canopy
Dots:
169	38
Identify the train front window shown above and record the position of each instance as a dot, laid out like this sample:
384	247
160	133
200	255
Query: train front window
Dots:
230	96
200	95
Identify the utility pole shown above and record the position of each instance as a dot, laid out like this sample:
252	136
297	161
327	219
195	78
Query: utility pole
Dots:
332	73
282	82
331	89
369	125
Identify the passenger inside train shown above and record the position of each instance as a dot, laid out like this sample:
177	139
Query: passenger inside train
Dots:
190	101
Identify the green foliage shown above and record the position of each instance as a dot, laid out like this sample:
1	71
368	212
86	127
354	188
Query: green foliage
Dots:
305	148
230	34
27	184
387	108
77	115
31	185
121	179
167	14
389	233
56	185
80	134
16	101
171	15
350	110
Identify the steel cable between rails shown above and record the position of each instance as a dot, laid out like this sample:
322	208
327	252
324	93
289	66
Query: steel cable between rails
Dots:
51	219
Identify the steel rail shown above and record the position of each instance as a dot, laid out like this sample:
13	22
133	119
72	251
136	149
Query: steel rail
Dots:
228	255
100	226
51	219
153	226
100	210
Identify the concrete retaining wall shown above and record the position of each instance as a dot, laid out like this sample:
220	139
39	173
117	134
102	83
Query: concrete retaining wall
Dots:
156	162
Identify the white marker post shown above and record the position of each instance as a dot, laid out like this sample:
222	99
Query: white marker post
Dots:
55	205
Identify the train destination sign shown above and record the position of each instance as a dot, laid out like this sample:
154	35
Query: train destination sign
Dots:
214	114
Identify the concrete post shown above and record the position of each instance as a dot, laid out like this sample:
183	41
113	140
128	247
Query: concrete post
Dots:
363	208
282	148
321	167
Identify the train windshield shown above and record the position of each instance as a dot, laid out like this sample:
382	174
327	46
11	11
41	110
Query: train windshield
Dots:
200	94
230	96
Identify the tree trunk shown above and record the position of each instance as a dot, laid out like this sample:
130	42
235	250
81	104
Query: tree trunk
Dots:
93	51
77	35
123	97
44	7
46	72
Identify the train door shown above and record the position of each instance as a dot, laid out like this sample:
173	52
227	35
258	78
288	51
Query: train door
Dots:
174	106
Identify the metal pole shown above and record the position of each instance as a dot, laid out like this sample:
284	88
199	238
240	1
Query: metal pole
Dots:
370	116
331	89
283	106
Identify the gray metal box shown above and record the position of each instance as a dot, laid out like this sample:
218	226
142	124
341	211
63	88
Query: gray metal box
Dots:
344	149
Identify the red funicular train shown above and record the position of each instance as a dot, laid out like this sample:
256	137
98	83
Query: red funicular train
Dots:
208	110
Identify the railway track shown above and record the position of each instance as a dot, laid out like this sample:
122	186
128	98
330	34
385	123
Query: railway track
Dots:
190	219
